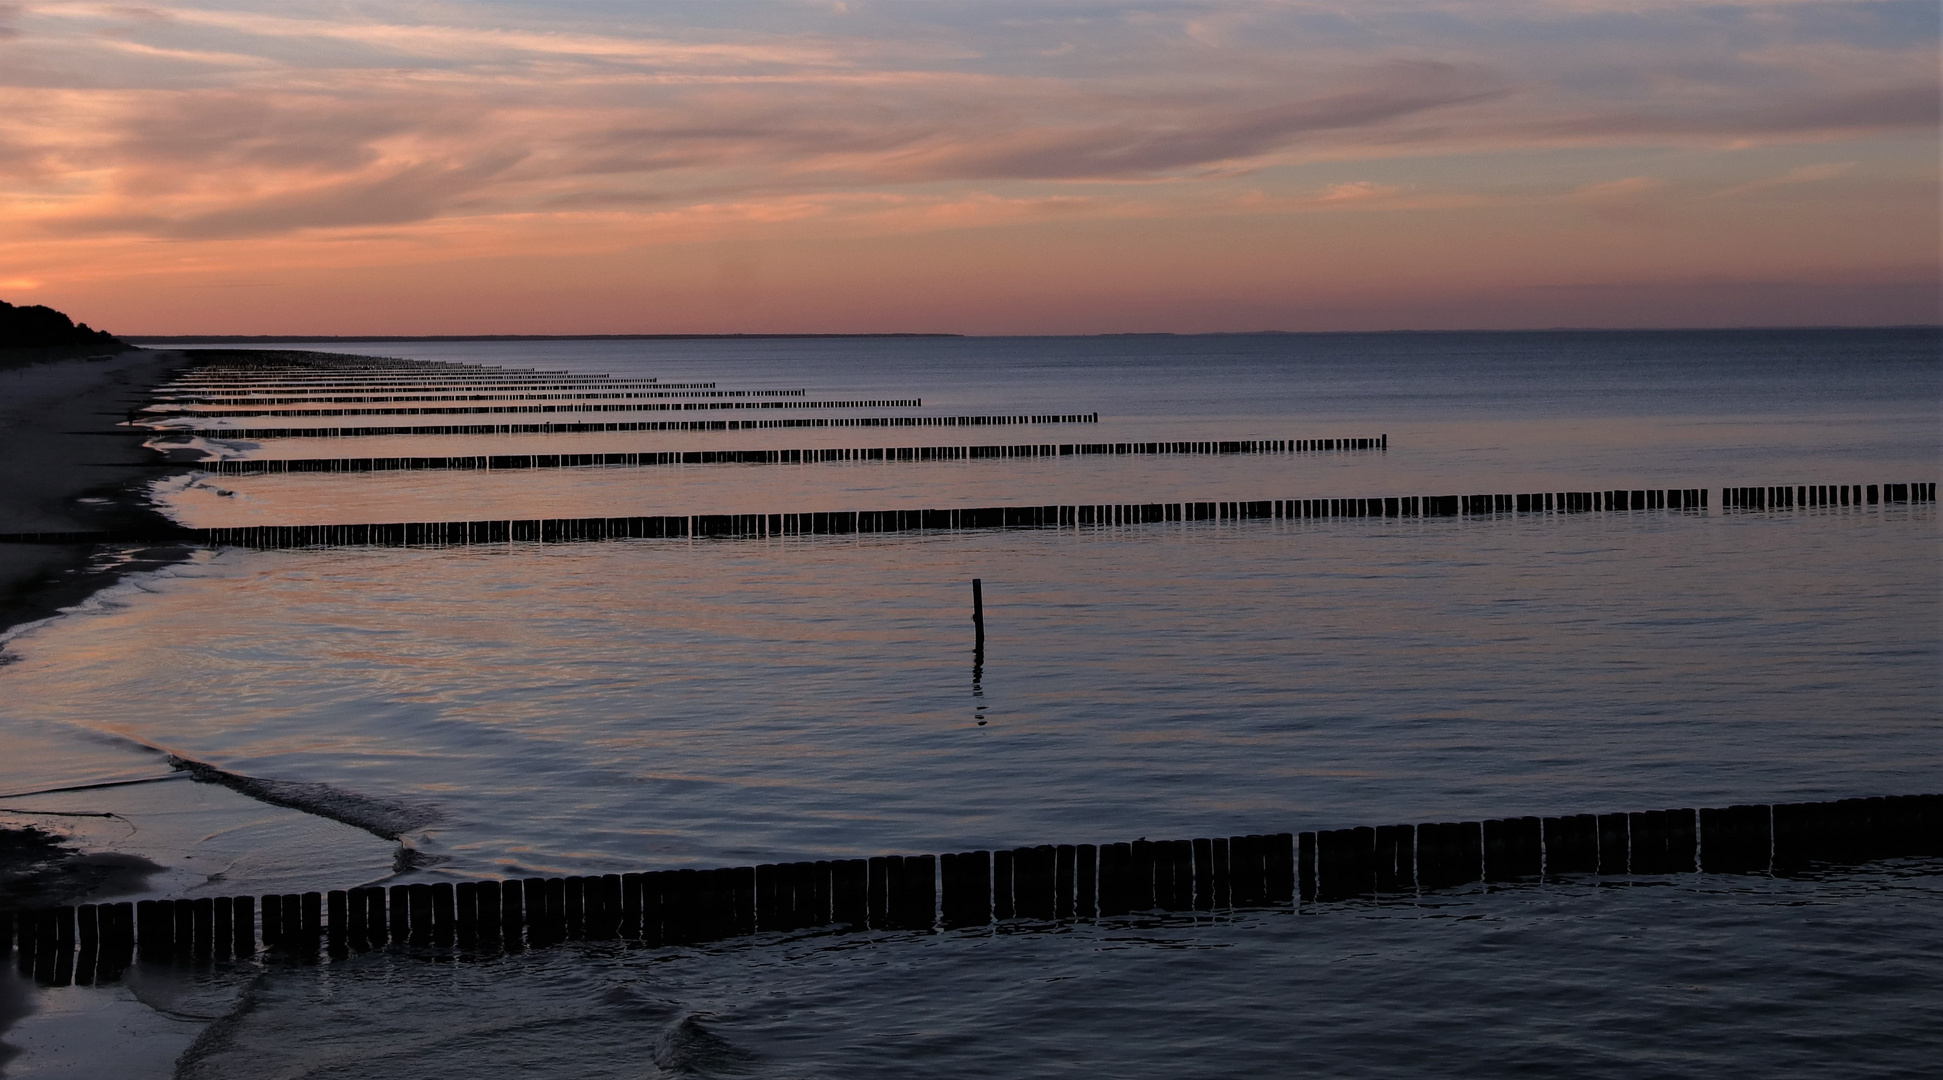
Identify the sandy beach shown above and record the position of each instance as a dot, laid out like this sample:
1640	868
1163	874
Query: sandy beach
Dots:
73	467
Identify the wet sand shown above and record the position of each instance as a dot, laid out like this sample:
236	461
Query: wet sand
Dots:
72	467
58	435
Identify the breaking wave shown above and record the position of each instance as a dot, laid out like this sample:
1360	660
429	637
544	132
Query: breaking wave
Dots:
383	819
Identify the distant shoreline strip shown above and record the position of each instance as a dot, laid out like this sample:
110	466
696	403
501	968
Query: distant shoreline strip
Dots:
489	462
632	425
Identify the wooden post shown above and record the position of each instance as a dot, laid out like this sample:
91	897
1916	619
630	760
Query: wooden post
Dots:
63	972
87	936
185	928
1648	843
1062	886
1247	882
1613	844
486	912
337	922
273	920
203	927
1002	908
1513	849
1735	840
1139	882
917	907
1345	863
1449	853
1396	858
243	911
400	915
978	616
850	893
878	889
1033	871
1203	874
1115	860
1571	844
418	897
967	889
222	932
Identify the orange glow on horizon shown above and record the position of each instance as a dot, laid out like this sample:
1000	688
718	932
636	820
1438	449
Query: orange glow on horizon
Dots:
346	170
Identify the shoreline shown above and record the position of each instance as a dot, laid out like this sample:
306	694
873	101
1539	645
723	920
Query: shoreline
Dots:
79	472
76	469
58	413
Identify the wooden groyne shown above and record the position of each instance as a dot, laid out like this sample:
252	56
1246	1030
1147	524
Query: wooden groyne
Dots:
573	428
255	466
1791	496
260	406
837	523
296	365
1044	884
630	406
178	394
1069	516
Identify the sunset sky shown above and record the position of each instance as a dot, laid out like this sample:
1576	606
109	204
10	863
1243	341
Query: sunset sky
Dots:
981	167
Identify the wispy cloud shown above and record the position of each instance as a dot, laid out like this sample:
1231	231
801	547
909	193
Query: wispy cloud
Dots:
304	118
1804	174
1357	191
447	127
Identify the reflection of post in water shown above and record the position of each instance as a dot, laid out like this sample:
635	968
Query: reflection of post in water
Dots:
978	648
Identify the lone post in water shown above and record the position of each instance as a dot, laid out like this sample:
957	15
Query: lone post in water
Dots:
978	647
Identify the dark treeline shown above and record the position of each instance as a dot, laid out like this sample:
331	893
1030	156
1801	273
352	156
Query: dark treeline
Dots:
37	326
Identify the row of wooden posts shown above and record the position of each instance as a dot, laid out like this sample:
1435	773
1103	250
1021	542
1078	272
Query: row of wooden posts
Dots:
1800	495
582	428
556	530
972	890
266	406
691	526
252	363
260	466
632	406
178	394
220	389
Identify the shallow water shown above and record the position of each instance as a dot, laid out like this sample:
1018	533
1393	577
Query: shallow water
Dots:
1464	412
645	704
650	703
1705	978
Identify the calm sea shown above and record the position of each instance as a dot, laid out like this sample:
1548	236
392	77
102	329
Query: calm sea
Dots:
645	704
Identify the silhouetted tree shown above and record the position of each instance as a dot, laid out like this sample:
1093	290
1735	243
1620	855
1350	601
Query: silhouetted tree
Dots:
38	326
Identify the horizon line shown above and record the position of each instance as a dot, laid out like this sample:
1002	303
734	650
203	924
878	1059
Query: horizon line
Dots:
273	339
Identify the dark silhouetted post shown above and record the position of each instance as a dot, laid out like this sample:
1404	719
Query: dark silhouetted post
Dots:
1086	865
243	911
1571	844
978	617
